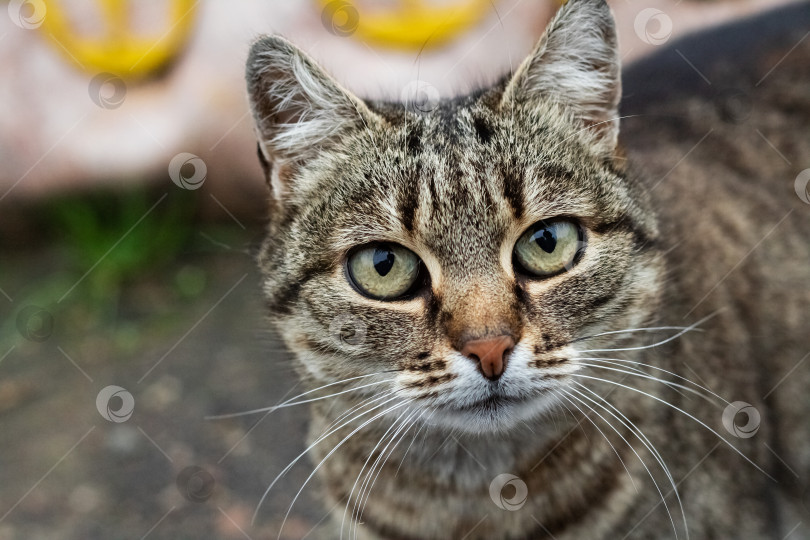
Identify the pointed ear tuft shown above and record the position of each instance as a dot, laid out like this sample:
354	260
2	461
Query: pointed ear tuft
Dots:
576	64
298	109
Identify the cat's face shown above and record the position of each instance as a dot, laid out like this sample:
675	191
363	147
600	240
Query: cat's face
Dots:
459	253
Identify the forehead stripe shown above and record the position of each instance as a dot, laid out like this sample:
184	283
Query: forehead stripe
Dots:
513	192
408	197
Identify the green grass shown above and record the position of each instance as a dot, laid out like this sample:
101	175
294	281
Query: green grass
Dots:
116	239
122	262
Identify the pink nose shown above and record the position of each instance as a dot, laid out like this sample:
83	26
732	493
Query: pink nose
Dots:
490	354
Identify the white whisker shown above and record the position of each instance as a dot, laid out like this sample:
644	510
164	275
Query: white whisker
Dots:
690	381
643	375
630	330
311	446
396	438
413	440
665	402
363	468
649	446
289	402
354	408
659	343
329	454
566	396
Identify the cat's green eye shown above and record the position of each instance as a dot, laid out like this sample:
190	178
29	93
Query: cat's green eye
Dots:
548	248
384	271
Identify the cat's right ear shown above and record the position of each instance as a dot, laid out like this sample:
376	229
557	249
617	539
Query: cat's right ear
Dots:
576	64
298	109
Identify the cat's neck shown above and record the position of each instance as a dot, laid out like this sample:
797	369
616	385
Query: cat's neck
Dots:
565	463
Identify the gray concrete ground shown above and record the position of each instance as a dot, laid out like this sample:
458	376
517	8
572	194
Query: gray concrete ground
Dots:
67	472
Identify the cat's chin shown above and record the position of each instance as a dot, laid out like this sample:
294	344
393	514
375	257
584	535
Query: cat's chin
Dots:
495	414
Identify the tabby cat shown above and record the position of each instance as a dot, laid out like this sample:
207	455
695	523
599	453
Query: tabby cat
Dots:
509	332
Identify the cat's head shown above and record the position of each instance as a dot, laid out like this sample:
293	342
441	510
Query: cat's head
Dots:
458	253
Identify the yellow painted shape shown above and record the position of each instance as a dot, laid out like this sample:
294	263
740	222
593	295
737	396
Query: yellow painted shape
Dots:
119	49
412	23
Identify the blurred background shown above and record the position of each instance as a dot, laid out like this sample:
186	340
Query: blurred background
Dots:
131	201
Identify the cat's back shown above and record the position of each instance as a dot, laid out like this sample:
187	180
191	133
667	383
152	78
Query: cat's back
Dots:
722	141
725	108
719	127
719	131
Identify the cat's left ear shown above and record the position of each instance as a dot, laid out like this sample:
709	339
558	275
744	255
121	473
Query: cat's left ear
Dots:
299	110
576	64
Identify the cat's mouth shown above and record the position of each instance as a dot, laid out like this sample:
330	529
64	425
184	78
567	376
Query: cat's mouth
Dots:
495	410
491	404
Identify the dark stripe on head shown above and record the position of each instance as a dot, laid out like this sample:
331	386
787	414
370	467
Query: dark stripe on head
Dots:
432	311
482	129
520	293
625	225
409	198
595	303
282	302
461	197
434	196
513	192
556	171
413	142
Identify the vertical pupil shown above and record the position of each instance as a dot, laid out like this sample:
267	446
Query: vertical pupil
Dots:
383	260
546	239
